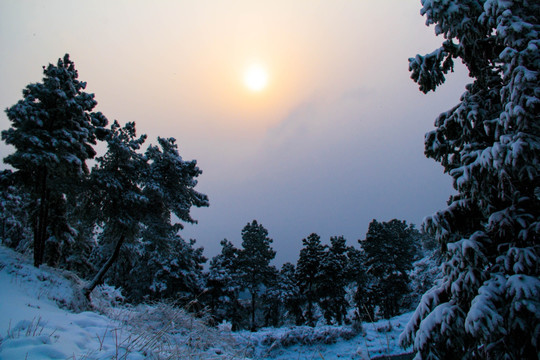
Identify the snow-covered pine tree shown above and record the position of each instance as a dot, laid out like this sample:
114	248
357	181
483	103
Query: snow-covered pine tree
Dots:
170	266
389	250
423	276
78	257
52	130
254	263
136	195
14	224
223	286
308	272
181	270
334	279
165	266
61	235
487	305
271	305
170	181
116	197
365	297
291	298
357	271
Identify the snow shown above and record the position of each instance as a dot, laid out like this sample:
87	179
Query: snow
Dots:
328	342
39	320
483	316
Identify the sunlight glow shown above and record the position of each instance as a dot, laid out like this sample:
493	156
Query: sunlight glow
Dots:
256	77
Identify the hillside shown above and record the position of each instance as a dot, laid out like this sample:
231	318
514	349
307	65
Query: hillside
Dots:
42	317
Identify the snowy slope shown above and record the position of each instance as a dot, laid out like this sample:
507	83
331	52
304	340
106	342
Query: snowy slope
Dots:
38	320
35	322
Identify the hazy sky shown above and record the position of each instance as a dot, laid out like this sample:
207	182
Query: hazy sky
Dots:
334	141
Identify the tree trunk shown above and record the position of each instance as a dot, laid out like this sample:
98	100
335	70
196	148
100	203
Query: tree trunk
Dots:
253	297
98	279
309	313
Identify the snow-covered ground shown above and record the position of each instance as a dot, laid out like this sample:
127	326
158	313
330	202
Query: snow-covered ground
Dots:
40	319
328	342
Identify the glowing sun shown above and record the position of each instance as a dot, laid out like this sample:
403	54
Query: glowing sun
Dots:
256	77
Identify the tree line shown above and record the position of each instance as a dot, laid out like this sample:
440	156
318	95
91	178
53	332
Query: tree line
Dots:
116	215
331	283
486	304
113	222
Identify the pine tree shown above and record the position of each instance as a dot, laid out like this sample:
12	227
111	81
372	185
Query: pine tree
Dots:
424	274
271	299
223	286
290	296
390	251
170	181
170	266
61	235
308	271
14	204
135	196
78	257
53	131
254	263
117	195
182	272
365	308
486	306
165	266
334	279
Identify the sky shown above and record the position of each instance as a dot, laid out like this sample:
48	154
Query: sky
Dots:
333	141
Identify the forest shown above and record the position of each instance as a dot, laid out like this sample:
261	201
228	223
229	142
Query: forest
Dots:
471	272
114	223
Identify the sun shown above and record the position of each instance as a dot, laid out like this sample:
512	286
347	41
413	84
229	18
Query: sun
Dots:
256	77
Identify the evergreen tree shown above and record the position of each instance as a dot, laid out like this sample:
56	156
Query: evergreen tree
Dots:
223	286
271	300
135	195
52	130
424	274
486	305
334	279
254	263
169	265
165	266
308	270
390	251
117	195
78	257
61	235
179	273
169	183
290	296
13	212
365	308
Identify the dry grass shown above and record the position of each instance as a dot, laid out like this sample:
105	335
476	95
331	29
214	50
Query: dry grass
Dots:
165	331
33	328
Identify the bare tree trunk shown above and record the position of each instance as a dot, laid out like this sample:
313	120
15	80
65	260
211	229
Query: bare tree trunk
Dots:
98	279
253	299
